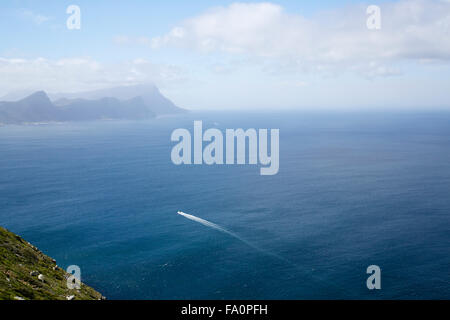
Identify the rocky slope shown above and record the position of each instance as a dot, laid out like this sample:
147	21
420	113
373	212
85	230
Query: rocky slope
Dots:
28	274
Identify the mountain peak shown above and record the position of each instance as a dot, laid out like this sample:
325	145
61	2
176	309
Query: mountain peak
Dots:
40	93
148	93
38	96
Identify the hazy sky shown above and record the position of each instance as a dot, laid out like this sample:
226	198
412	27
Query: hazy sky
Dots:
228	55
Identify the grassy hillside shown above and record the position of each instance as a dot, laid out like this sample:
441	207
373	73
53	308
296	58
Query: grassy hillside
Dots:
21	265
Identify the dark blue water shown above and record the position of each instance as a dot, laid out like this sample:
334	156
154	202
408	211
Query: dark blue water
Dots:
353	190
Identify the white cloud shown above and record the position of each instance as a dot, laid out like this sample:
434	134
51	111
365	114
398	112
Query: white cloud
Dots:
79	74
126	40
412	30
34	17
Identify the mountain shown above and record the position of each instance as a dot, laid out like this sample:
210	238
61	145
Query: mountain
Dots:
104	108
28	274
34	108
149	93
17	95
121	103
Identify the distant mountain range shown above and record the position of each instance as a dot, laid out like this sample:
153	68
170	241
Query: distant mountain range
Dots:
127	103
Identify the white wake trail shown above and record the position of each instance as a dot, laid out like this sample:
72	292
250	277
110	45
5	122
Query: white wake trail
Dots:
309	273
232	234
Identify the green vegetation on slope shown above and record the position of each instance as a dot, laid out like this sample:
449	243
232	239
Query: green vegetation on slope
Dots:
28	274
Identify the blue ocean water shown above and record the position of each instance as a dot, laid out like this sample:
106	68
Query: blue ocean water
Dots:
354	189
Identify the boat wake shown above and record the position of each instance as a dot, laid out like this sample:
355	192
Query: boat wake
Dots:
232	234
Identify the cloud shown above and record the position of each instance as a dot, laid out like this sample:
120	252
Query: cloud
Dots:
78	74
415	31
126	40
34	17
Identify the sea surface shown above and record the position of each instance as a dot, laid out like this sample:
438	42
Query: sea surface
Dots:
353	190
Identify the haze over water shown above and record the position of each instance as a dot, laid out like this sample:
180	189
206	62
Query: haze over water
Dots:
354	189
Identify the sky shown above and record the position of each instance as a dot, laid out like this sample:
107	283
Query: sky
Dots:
223	55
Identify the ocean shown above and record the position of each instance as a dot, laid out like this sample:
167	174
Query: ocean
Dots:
354	189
